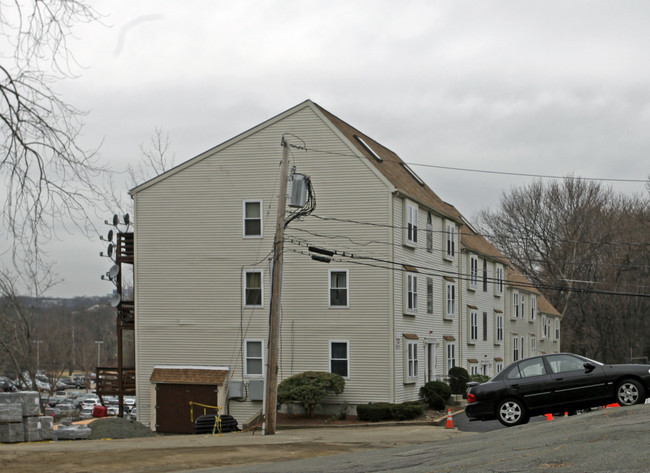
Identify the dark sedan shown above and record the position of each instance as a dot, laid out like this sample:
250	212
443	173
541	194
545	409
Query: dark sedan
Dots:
555	384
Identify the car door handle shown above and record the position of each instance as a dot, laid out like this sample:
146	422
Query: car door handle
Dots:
515	385
559	379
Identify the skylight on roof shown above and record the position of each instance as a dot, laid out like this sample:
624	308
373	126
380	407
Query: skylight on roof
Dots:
412	173
368	148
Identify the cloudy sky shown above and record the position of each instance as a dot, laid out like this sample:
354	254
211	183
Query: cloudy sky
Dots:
533	87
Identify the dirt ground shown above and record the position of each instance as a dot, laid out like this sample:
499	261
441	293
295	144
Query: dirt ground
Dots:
128	446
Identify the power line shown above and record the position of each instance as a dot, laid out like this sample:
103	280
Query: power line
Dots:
483	171
520	174
400	267
366	243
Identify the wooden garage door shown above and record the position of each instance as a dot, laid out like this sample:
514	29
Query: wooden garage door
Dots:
173	405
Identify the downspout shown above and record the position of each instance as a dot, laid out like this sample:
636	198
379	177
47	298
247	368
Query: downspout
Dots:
391	295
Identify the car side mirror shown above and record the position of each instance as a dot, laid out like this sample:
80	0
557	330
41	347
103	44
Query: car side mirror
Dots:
589	367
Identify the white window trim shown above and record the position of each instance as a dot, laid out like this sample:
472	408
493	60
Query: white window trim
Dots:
411	213
248	201
449	251
473	272
412	363
472	325
450	354
450	286
261	273
533	345
546	328
516	354
533	308
347	288
515	304
347	354
498	284
429	295
246	373
557	329
411	288
498	328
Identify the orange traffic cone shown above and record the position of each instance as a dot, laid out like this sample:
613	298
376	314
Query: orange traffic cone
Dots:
450	421
549	416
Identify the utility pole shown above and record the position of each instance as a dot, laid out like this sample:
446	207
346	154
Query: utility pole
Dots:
276	301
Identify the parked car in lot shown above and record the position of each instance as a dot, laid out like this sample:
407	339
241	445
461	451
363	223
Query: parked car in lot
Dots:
556	384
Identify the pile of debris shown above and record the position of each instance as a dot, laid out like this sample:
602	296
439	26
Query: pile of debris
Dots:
21	419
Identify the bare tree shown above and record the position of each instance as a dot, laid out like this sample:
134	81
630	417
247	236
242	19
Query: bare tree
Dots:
47	177
585	248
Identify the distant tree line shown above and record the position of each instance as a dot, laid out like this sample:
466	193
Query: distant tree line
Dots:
55	335
586	248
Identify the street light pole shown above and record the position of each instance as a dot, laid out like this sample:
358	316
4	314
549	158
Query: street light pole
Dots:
99	345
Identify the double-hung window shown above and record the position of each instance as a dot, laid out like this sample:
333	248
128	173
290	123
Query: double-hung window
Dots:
254	355
515	304
411	361
533	307
473	325
515	348
411	224
557	329
451	356
253	219
254	288
450	298
339	288
340	357
450	241
522	298
498	327
546	327
533	345
411	296
498	285
473	272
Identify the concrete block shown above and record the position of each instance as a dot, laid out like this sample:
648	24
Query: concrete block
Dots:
11	413
37	429
29	400
12	433
72	432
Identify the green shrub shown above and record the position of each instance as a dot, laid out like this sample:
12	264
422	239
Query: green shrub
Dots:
435	394
309	388
458	379
376	412
479	378
407	410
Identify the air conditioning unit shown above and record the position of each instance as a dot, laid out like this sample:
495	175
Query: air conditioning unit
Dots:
298	191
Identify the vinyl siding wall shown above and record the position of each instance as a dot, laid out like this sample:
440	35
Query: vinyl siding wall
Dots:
485	351
190	258
427	327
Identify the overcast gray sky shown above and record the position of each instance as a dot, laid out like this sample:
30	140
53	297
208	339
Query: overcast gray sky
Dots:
540	87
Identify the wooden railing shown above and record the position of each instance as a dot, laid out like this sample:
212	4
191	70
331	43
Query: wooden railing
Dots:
107	381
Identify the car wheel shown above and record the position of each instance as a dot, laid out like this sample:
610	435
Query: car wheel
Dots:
511	412
630	392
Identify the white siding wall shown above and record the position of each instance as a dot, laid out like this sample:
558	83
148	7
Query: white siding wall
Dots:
484	301
190	255
428	327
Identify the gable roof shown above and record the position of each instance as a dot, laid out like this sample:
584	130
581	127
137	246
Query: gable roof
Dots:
393	168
